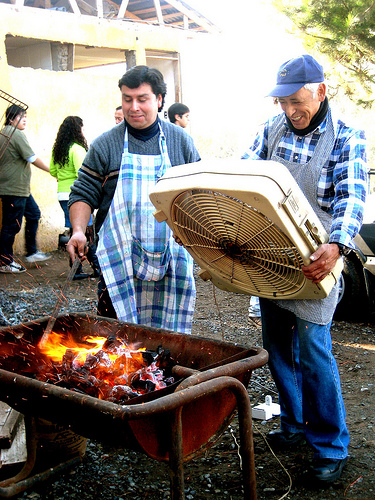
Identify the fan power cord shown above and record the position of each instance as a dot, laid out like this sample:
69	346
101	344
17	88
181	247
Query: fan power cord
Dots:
219	313
277	459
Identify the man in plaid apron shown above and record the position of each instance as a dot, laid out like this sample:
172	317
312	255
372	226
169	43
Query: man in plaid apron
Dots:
147	278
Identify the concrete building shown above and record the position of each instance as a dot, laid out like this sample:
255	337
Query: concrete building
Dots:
64	57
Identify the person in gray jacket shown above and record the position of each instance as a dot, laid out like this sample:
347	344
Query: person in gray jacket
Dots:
147	278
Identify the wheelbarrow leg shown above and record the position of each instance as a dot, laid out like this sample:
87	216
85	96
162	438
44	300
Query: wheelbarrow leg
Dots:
246	444
176	468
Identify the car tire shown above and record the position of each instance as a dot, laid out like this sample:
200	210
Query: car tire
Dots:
353	301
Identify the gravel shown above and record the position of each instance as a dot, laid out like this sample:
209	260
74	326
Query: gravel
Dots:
113	474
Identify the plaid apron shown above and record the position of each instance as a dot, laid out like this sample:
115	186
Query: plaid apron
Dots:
148	275
319	311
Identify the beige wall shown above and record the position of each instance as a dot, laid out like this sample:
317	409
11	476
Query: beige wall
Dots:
51	95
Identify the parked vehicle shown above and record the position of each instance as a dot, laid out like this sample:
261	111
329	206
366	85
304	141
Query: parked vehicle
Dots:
357	285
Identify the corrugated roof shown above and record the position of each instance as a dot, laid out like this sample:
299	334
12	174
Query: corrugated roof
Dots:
171	13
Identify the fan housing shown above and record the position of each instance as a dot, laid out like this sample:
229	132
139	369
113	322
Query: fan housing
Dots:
247	224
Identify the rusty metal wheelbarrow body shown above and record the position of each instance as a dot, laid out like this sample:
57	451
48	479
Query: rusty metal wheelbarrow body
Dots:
174	424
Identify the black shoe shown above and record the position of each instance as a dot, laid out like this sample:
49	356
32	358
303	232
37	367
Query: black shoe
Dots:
326	470
285	439
80	276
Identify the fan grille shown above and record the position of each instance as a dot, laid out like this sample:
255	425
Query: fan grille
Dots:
238	241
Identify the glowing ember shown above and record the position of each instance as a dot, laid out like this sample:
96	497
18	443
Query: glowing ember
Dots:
104	367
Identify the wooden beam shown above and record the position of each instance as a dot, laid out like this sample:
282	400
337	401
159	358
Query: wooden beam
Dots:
99	7
86	8
194	16
150	9
175	14
75	7
130	15
122	9
159	12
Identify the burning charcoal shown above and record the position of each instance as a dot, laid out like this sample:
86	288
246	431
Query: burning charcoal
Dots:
128	362
114	372
141	385
158	374
91	362
122	380
68	359
149	357
103	366
168	380
120	365
103	357
87	384
104	389
113	343
164	361
137	360
121	393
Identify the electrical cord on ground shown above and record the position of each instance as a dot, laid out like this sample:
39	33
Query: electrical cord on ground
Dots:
265	439
282	466
236	443
266	389
218	310
260	432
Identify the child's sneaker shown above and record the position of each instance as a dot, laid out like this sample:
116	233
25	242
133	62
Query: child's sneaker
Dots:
13	267
37	257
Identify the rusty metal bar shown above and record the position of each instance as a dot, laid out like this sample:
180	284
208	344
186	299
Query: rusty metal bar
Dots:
21	482
64	398
231	370
246	442
28	483
31	456
176	463
172	402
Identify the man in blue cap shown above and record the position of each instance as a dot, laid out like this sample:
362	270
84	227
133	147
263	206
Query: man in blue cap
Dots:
328	161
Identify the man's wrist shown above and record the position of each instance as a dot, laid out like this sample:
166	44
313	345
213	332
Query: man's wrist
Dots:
343	250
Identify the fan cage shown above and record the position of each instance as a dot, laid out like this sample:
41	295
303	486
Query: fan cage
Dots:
238	241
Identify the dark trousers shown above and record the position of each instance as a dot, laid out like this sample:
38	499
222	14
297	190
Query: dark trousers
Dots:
14	209
105	307
64	206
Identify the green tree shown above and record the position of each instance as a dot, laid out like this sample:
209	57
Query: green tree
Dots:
344	31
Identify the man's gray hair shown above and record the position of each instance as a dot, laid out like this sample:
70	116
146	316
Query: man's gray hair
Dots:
313	87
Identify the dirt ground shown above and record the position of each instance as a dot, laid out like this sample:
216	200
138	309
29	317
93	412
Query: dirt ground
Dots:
121	474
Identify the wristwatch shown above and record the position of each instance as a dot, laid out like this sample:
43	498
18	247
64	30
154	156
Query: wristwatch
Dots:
343	250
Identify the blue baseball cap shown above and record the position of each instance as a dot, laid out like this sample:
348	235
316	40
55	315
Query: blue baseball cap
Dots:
295	73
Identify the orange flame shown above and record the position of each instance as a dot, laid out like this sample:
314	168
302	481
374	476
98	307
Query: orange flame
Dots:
112	367
56	345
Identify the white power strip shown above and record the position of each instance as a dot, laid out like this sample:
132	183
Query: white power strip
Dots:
266	410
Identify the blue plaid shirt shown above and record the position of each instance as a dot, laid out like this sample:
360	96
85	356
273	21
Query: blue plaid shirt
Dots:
343	183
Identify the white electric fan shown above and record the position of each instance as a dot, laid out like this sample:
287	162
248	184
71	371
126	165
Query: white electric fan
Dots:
247	224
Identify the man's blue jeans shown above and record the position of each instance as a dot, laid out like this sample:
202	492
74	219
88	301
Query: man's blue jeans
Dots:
307	378
14	209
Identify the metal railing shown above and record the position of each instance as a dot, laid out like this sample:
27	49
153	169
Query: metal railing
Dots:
7	100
